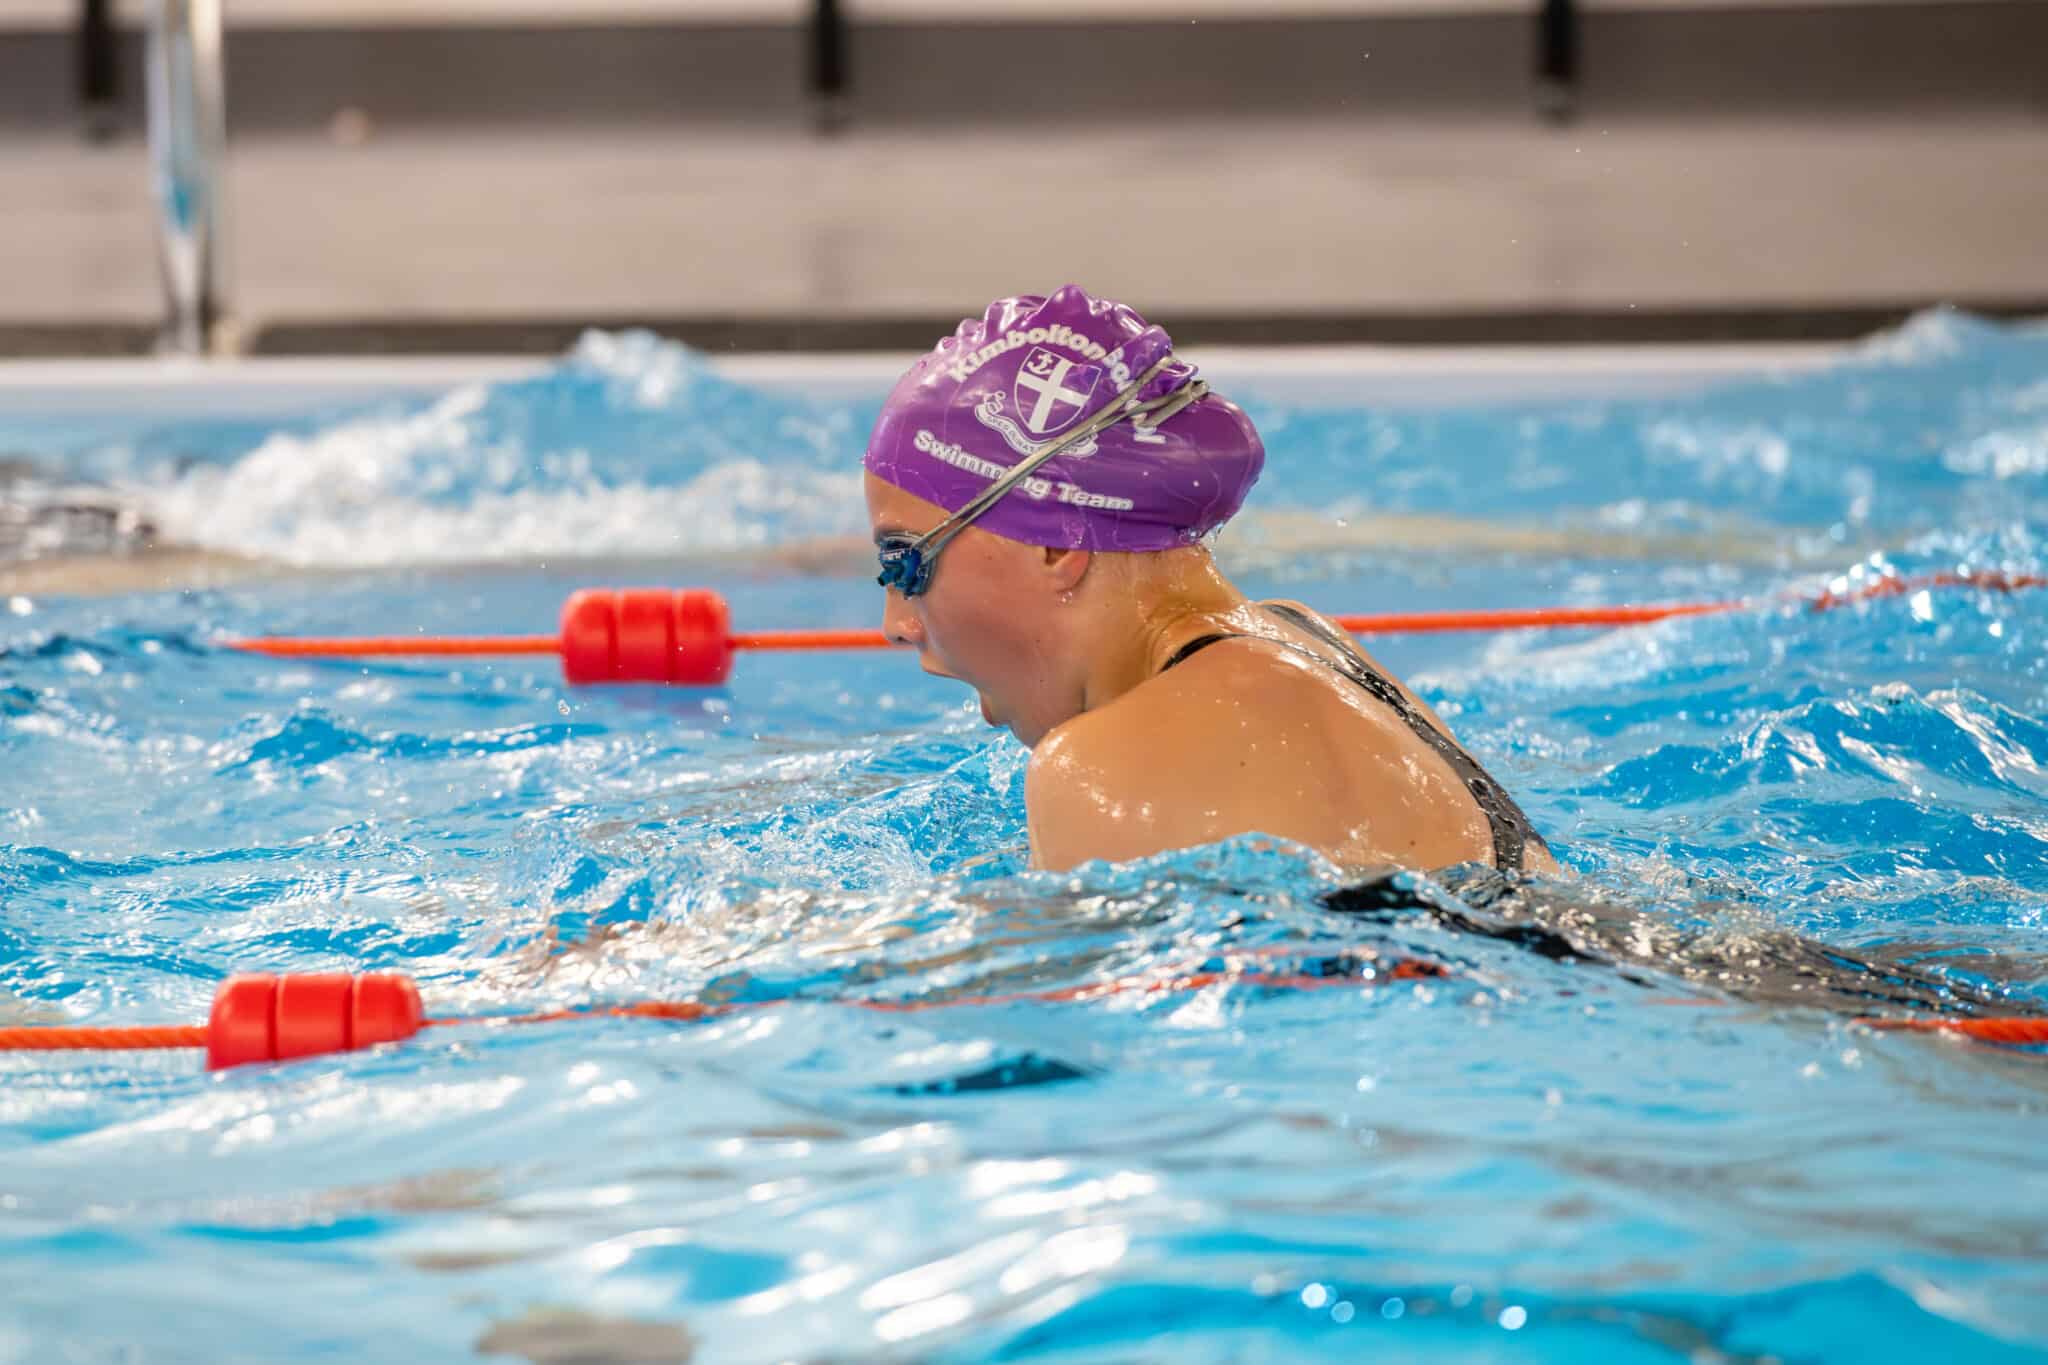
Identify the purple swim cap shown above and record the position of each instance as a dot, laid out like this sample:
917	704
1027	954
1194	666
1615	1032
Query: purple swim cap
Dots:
1010	383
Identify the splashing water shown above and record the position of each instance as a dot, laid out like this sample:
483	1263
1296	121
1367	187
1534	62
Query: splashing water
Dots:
1633	1121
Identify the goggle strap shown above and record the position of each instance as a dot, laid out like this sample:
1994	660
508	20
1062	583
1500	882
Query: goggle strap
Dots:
1124	405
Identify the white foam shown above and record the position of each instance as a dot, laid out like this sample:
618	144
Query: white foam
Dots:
468	478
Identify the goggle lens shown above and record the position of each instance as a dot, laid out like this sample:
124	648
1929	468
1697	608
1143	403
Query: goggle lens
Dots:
904	566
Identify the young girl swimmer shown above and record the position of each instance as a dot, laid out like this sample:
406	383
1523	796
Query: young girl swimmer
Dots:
1039	486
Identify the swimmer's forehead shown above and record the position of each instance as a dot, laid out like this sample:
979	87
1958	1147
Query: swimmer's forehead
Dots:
891	511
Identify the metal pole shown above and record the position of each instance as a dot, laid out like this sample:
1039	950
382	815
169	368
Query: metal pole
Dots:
1557	60
828	66
187	131
98	55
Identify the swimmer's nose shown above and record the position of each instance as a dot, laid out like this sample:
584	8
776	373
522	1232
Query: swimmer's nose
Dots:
900	622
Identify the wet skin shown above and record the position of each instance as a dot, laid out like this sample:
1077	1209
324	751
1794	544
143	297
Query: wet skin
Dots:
1065	648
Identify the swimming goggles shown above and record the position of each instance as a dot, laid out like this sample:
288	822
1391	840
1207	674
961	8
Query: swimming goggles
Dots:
907	560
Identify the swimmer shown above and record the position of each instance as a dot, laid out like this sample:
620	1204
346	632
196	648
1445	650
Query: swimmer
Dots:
1039	486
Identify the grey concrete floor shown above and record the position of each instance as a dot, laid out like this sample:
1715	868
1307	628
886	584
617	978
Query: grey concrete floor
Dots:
1225	216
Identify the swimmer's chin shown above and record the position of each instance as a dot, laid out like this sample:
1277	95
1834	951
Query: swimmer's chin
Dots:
996	722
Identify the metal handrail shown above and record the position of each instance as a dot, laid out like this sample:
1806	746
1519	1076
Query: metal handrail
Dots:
187	137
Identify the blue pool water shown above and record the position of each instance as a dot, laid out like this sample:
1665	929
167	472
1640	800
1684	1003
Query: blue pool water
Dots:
1685	1152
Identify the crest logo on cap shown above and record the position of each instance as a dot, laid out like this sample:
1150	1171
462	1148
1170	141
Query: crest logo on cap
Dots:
1051	391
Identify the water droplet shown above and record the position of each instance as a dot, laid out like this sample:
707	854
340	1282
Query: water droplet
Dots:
1315	1295
563	707
1513	1316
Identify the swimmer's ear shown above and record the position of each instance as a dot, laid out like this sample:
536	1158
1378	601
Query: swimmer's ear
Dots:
1067	567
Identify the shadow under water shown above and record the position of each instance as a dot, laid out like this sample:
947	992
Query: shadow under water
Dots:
1749	959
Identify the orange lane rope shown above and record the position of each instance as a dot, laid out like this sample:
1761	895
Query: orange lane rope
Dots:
1388	623
684	635
44	1038
2013	1032
260	1018
1383	623
1404	969
268	1018
417	646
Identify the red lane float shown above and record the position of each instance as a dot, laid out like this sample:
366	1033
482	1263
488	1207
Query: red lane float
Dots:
647	635
684	636
264	1018
305	1014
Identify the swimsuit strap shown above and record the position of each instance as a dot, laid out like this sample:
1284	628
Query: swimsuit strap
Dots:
1194	647
1511	830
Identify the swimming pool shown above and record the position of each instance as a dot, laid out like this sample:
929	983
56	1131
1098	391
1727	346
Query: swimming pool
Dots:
1522	1158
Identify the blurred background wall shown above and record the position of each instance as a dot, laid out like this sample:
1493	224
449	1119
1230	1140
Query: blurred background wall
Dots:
414	175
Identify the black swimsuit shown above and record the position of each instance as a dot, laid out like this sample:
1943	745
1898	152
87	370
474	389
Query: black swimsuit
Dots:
1512	832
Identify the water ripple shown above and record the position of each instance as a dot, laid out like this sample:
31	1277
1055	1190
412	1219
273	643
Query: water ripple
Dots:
947	1107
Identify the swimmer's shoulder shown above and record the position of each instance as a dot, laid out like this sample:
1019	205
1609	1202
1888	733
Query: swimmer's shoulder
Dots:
1222	695
1216	708
1185	758
1088	794
1357	651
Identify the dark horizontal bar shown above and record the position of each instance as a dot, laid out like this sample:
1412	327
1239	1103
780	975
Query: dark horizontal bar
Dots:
43	340
1885	58
1505	328
553	336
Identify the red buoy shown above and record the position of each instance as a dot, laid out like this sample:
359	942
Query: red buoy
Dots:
656	635
260	1018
